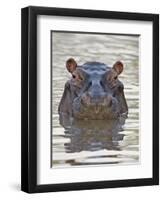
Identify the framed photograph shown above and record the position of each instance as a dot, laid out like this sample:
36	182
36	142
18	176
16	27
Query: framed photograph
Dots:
90	99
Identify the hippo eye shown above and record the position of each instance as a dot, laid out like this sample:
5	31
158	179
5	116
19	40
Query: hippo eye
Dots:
115	78
73	76
81	78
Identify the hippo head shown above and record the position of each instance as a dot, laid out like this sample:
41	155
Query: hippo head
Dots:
94	91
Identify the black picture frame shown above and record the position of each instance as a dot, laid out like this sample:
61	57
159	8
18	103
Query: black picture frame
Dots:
29	98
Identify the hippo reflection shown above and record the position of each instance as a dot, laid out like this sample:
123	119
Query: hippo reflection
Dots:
92	135
94	92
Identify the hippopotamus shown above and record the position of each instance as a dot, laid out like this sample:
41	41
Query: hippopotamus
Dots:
94	91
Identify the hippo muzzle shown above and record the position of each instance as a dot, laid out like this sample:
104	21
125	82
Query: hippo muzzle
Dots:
87	107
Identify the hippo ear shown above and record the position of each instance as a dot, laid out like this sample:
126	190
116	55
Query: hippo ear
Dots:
71	65
118	67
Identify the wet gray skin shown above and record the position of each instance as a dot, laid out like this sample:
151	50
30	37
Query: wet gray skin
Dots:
94	92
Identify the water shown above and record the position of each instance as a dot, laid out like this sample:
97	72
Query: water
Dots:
93	142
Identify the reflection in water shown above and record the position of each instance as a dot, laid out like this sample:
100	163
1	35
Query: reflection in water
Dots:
99	136
92	135
95	142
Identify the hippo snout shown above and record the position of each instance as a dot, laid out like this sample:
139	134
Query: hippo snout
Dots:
88	99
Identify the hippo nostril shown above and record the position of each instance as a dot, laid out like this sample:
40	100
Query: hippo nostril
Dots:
102	84
85	99
109	101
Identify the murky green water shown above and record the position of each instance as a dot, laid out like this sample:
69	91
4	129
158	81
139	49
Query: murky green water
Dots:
95	142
